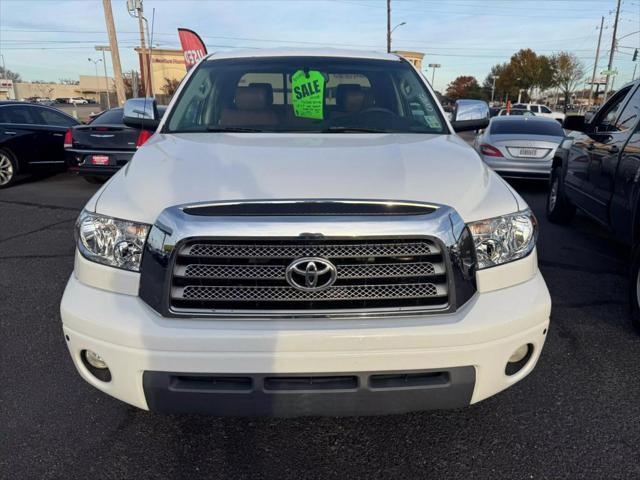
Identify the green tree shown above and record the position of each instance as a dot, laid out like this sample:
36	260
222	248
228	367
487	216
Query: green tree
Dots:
525	65
526	71
546	72
498	71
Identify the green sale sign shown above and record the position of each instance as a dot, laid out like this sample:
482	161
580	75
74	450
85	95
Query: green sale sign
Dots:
308	94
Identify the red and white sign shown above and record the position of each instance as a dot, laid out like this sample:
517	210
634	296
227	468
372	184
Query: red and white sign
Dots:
100	160
192	47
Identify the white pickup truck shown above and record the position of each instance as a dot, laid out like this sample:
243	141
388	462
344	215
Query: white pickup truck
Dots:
540	110
305	234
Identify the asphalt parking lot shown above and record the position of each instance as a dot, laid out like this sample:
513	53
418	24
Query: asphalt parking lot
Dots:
576	416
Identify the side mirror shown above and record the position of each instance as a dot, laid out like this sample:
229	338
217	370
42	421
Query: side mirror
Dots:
141	113
470	115
576	123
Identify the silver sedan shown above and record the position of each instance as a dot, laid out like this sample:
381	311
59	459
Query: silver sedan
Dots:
520	146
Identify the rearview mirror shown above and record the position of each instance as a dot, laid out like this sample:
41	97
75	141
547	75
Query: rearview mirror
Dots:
470	115
574	122
141	113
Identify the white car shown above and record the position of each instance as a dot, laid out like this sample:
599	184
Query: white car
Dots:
305	234
79	101
540	110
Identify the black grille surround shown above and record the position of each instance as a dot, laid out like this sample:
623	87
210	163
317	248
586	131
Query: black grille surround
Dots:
241	276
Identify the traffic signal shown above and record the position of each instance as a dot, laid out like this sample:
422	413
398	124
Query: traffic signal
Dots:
635	55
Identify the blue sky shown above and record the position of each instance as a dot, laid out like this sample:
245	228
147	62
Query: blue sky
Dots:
48	40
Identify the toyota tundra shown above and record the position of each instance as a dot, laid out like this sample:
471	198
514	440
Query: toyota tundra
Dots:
305	234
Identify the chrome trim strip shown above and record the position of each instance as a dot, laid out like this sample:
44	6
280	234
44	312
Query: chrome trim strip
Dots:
98	150
285	201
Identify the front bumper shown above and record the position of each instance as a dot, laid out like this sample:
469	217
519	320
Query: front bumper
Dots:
136	341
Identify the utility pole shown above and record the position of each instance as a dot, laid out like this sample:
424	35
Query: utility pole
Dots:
115	53
388	26
101	48
146	71
595	65
136	10
613	49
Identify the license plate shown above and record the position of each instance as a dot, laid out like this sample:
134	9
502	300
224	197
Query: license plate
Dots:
99	160
528	152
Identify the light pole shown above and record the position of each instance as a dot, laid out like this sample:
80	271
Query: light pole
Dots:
101	48
95	64
433	67
390	32
493	86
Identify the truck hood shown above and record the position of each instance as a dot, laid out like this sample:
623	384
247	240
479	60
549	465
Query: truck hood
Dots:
174	169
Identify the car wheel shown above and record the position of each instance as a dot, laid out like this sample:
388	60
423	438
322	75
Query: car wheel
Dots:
8	169
559	210
634	290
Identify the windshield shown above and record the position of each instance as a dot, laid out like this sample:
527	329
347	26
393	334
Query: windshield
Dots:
305	94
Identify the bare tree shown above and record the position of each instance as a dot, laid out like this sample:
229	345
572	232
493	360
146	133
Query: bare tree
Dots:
170	86
69	81
569	70
8	74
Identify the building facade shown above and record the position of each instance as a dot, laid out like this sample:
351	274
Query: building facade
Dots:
167	67
89	87
415	58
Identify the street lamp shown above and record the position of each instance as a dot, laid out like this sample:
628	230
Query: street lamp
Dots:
95	64
433	67
102	48
389	36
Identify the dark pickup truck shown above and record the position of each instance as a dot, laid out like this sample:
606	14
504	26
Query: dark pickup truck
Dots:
597	170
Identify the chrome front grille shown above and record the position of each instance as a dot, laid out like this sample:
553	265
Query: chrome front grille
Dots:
250	275
342	250
266	272
288	294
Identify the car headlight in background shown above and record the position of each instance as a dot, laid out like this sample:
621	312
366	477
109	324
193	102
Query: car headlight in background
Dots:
110	241
504	239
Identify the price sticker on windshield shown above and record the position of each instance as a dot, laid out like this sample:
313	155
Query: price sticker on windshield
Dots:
308	94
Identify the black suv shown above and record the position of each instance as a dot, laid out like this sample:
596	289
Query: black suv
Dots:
597	169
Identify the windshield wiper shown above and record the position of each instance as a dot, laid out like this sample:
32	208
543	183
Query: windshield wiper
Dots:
234	129
352	129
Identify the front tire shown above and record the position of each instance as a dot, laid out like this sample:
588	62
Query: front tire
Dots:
559	210
8	169
634	289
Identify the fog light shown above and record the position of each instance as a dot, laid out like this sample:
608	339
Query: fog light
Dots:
519	354
519	359
94	359
96	365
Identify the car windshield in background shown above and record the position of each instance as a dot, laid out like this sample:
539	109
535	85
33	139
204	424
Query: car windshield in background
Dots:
549	128
306	94
111	117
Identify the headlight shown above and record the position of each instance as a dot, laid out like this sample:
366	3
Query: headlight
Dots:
110	241
504	239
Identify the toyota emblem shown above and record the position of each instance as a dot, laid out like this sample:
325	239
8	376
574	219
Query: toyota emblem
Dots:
311	274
